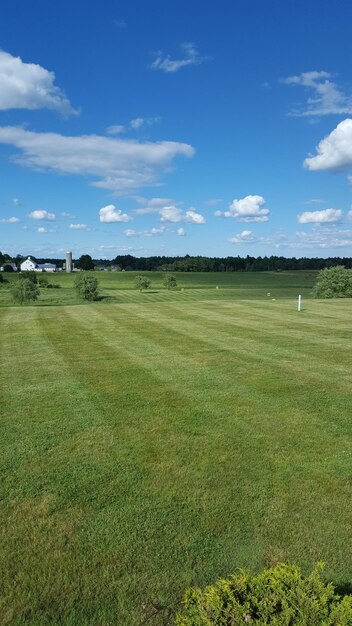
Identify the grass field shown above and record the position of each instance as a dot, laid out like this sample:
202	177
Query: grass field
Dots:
159	441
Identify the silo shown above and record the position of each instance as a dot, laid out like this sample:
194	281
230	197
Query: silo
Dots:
68	261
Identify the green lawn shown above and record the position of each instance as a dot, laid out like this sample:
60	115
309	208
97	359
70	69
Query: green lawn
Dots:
151	445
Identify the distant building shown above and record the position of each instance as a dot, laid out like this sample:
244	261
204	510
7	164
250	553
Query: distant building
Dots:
29	265
13	265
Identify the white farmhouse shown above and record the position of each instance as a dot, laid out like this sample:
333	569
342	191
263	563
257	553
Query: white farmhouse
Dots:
29	266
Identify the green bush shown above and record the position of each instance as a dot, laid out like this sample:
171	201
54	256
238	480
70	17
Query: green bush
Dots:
87	286
281	596
169	281
24	290
334	282
142	282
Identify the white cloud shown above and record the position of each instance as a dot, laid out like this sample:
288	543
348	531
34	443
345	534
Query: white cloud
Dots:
192	217
181	232
315	201
137	123
41	229
334	151
29	86
245	236
191	56
79	227
41	214
170	213
67	216
320	217
130	232
16	202
323	238
248	209
115	129
110	214
9	220
327	98
119	164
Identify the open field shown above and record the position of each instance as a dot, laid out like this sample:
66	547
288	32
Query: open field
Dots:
118	287
147	446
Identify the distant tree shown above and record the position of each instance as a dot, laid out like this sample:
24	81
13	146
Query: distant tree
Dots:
8	268
24	290
334	282
85	262
142	282
87	287
169	281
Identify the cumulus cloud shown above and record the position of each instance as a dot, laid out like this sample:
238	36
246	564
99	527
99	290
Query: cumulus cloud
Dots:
248	209
245	236
9	220
192	217
79	227
29	86
181	232
110	214
320	217
327	98
41	229
190	54
137	123
173	213
334	151
41	214
119	164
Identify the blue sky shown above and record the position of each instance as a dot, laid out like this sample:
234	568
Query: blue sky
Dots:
173	128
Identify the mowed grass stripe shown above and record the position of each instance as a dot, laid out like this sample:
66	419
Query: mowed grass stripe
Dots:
196	461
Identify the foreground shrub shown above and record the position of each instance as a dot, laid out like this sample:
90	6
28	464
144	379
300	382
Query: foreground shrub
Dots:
334	282
87	286
24	290
280	595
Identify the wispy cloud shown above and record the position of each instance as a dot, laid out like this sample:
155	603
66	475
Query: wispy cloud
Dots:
79	227
190	56
326	98
29	86
130	232
119	164
247	209
9	220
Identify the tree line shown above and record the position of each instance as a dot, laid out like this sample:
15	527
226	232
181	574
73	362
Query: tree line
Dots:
189	263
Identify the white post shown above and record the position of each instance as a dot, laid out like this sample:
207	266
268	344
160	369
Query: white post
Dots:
299	302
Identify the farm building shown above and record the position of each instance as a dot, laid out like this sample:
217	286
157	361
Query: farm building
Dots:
3	266
29	265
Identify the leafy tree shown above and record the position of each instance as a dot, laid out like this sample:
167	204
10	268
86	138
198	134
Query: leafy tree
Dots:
170	281
8	268
142	282
87	287
24	290
334	282
85	262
